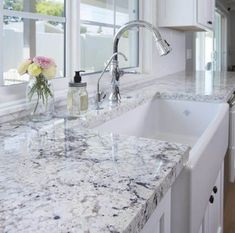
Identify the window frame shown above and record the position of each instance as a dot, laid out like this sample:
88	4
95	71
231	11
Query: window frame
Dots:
222	66
72	61
1	42
31	16
115	27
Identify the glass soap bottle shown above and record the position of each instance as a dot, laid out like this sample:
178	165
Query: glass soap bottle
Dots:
77	98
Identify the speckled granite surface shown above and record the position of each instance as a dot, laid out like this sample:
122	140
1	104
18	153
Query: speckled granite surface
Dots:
59	177
201	86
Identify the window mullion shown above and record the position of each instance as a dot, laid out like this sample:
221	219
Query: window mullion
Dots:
114	16
29	32
95	23
1	42
73	36
36	16
77	65
68	54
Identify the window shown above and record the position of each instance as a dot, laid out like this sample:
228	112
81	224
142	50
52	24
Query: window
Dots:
204	50
211	47
30	28
100	19
38	27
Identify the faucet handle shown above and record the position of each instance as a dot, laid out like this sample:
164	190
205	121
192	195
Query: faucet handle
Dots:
123	72
131	72
101	96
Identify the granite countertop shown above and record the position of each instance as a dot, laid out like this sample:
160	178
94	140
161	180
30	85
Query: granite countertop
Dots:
196	86
61	176
200	86
66	179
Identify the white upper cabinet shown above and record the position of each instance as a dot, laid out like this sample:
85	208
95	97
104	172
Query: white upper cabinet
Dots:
186	15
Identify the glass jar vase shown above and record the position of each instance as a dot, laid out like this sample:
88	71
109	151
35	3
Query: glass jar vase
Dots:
77	99
40	98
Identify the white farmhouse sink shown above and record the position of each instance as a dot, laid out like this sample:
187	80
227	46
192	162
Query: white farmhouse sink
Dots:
203	126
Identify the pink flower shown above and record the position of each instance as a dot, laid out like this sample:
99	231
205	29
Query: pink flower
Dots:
44	62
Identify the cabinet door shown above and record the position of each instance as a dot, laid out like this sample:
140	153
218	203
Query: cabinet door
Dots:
169	16
186	15
160	220
213	218
214	213
205	12
200	230
201	11
210	13
232	145
216	208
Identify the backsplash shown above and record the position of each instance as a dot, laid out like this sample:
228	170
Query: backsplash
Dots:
175	60
232	40
152	62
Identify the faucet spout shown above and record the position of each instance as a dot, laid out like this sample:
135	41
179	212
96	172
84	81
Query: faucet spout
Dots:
162	46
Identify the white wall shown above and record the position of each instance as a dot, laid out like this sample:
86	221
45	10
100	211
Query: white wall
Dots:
47	44
173	62
96	49
232	39
190	46
13	55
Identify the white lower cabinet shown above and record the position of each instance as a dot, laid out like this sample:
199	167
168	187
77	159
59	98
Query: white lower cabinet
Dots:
160	220
232	145
213	218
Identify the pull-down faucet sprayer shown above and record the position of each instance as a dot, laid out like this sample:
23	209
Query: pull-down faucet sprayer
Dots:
162	46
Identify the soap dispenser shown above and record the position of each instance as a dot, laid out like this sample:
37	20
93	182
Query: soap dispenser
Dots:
77	99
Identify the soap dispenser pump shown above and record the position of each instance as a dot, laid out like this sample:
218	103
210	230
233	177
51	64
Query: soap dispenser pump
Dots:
77	77
77	99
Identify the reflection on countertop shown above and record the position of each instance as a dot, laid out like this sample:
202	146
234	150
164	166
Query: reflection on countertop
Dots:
61	178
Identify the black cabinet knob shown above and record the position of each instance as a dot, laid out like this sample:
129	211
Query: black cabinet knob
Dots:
215	189
209	22
211	200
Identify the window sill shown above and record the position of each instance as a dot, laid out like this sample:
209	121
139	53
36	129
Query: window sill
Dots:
15	108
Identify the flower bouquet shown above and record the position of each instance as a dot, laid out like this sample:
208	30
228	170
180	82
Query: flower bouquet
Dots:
39	94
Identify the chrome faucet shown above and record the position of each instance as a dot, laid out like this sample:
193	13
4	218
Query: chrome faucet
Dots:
162	46
100	95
